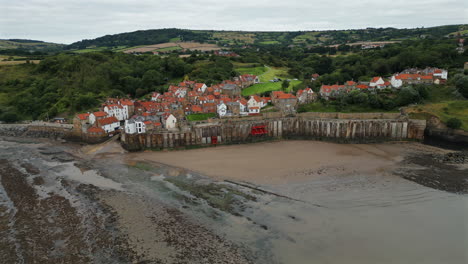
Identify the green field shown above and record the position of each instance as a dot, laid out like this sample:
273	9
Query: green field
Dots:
174	39
271	73
444	111
269	42
267	87
200	117
252	70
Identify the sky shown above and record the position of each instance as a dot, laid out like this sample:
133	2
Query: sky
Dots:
67	21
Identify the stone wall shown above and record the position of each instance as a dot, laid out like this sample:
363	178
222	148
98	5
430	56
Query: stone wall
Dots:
239	131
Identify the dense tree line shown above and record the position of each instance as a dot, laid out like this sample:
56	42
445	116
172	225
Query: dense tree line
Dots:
141	37
68	83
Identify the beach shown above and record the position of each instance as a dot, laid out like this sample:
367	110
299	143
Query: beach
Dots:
285	161
277	202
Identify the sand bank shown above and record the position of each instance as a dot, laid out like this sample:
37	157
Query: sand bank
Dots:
284	161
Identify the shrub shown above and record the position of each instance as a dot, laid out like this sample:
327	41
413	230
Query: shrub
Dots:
9	117
454	123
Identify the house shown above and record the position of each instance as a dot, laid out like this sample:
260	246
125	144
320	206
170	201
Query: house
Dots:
231	89
81	123
199	87
247	80
93	117
109	124
254	110
170	122
255	101
221	109
116	110
330	91
376	82
314	77
95	132
233	108
285	102
156	97
306	96
243	106
209	108
399	80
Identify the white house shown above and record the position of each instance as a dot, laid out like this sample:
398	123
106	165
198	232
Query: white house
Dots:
254	110
255	101
243	107
221	109
119	111
96	116
109	124
440	73
199	87
396	82
170	121
376	81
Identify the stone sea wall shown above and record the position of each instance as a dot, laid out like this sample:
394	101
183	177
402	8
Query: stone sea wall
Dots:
300	127
37	130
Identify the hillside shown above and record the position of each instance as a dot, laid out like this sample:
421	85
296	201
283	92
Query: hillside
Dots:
29	45
239	38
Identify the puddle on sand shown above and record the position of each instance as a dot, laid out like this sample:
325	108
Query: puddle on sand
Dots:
71	172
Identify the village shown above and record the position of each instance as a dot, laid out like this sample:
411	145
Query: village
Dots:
169	111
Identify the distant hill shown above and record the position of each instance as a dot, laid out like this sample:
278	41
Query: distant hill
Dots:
238	38
29	45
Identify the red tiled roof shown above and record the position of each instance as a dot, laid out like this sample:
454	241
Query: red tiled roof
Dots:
99	114
147	122
362	86
83	116
107	121
375	79
96	130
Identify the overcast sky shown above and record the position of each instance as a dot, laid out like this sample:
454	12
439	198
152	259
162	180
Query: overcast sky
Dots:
67	21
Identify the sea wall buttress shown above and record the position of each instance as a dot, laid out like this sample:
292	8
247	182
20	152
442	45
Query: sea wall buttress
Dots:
300	127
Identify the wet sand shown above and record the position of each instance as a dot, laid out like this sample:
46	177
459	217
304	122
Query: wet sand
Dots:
285	161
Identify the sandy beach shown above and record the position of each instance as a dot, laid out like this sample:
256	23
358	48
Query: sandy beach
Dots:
285	161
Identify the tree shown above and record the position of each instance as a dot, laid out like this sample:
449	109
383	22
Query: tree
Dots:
285	85
454	123
9	117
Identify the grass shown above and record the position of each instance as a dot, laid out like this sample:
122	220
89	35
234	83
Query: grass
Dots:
252	70
320	107
174	39
269	42
267	87
200	117
271	73
443	110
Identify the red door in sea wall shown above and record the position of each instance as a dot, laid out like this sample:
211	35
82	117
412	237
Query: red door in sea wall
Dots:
258	130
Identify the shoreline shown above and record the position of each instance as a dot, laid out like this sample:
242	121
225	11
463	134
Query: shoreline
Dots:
297	161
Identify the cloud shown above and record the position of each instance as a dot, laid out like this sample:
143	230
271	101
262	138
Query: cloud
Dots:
66	21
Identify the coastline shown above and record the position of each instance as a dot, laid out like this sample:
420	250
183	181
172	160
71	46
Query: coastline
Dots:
282	162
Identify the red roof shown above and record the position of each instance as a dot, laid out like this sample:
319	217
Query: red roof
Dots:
362	86
96	130
375	79
107	121
100	114
196	108
350	83
147	122
83	116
